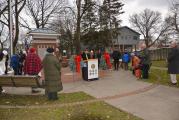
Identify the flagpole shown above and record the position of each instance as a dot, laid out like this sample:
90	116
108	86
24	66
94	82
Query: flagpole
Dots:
10	27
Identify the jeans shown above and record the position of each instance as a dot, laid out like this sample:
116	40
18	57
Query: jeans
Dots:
145	71
116	64
125	65
16	70
52	96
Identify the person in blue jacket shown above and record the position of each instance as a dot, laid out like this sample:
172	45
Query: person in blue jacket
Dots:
15	64
125	60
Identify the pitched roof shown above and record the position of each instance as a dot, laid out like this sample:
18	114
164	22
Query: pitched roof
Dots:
43	31
129	29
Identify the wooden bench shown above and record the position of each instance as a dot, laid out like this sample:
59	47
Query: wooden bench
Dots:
20	81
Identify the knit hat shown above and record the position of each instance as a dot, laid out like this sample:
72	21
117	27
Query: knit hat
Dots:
32	50
50	50
4	52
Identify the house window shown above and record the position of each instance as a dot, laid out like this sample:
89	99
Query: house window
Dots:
122	37
126	37
135	37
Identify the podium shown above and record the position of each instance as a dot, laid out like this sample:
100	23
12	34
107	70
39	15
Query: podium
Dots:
90	70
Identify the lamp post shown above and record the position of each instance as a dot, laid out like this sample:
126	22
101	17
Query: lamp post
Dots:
10	27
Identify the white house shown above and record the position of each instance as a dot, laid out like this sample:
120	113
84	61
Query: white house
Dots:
127	38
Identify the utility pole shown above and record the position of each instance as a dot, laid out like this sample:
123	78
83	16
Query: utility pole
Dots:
10	27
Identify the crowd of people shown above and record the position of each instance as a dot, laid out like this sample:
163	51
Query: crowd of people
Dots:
31	64
140	61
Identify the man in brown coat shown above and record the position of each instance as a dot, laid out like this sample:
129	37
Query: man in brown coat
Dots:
52	73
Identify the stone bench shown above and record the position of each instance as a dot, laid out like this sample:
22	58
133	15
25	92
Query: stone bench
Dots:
20	81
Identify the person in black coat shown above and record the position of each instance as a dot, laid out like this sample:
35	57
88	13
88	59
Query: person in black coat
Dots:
116	56
173	62
85	55
22	57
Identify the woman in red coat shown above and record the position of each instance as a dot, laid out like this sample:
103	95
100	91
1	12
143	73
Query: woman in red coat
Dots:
107	58
77	62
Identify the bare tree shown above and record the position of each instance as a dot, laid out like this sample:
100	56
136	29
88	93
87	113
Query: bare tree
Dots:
149	23
43	11
65	24
3	38
174	17
18	9
18	5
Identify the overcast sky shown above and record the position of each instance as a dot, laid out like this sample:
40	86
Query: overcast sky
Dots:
137	6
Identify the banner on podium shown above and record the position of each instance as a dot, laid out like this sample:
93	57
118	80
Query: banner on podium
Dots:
93	68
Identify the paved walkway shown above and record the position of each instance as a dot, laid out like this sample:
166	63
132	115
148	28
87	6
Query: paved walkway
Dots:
119	89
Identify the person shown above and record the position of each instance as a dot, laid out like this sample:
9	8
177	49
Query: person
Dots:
107	59
92	54
103	62
125	60
52	73
136	65
6	61
57	54
2	68
85	55
77	62
72	64
145	61
116	56
22	56
98	55
32	65
2	63
173	62
14	63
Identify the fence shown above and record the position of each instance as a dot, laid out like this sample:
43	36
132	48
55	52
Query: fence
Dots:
159	54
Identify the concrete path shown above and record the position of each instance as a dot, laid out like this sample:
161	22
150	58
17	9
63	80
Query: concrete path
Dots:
158	103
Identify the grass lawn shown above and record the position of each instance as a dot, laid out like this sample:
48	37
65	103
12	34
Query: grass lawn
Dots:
160	77
89	111
159	63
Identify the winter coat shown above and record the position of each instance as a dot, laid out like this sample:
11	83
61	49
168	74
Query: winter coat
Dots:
85	56
116	55
77	62
135	62
126	58
72	64
52	73
33	64
14	61
145	57
173	61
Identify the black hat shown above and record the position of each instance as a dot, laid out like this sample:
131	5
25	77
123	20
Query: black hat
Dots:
50	50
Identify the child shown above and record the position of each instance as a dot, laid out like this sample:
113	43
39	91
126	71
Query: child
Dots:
136	66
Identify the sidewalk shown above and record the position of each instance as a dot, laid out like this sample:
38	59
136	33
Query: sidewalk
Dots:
157	103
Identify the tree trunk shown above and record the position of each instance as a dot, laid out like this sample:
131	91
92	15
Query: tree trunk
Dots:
78	28
16	26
